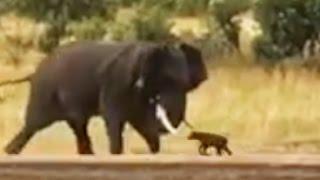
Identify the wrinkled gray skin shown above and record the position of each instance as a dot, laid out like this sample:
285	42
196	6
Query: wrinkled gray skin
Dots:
85	79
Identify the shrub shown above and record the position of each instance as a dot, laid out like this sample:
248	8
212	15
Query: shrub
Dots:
58	13
216	44
288	24
119	30
224	10
88	28
19	39
191	7
152	24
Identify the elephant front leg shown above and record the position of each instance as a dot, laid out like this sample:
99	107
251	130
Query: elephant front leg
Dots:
114	132
114	119
150	135
153	141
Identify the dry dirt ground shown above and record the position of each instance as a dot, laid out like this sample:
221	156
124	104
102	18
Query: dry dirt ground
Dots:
161	167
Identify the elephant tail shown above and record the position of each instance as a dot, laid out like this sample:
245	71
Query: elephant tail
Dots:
18	80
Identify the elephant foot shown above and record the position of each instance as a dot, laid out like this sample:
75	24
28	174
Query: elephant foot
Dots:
12	150
85	149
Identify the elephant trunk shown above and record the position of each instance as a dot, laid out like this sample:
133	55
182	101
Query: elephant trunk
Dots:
169	110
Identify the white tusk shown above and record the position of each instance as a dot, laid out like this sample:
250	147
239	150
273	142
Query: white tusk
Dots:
162	116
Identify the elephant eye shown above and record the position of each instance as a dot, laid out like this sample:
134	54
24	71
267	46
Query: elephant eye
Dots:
155	99
140	82
151	101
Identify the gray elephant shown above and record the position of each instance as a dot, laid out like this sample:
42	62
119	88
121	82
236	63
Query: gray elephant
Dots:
141	83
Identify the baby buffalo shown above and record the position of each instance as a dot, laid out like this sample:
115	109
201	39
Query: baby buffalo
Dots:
210	139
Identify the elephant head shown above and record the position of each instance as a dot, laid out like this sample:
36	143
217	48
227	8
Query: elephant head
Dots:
171	72
157	75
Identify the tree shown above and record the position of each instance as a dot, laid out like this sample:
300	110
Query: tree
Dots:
287	25
58	13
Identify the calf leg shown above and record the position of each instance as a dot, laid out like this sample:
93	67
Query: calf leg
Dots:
219	150
203	149
227	150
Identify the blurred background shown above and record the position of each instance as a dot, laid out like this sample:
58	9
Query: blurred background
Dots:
263	90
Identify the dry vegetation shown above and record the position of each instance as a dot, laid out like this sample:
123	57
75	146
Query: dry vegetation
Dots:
258	111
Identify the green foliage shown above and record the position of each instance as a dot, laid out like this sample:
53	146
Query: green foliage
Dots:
166	5
288	24
265	48
60	10
216	44
151	24
181	7
224	10
58	13
191	7
142	24
4	6
88	28
124	3
122	27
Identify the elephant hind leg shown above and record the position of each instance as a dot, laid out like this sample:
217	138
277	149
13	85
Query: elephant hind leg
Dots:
77	117
21	139
38	117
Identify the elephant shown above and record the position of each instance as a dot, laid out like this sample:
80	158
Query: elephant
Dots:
141	83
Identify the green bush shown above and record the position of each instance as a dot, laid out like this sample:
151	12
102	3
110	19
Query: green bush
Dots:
180	7
216	43
152	24
266	49
88	28
119	30
63	10
125	3
287	25
191	7
58	14
143	24
166	5
224	10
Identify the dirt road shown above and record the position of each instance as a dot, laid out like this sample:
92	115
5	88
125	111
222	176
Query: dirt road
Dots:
162	167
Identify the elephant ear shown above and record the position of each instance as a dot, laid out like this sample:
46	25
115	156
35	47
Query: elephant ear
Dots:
129	67
146	66
197	69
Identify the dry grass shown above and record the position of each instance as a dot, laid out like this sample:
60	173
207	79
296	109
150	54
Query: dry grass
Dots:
259	112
